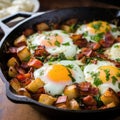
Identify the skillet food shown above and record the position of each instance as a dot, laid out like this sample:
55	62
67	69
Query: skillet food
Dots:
70	65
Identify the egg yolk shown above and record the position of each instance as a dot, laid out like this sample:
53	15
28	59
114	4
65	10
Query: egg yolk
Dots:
109	74
52	41
97	27
59	73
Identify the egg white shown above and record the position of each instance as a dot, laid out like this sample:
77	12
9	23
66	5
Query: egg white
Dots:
89	36
57	88
113	52
94	68
67	47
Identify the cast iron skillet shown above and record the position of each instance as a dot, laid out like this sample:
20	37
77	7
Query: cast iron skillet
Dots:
55	16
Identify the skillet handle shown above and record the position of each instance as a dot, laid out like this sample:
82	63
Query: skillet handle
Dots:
3	22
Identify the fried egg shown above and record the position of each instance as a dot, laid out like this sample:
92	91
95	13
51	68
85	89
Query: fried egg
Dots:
55	42
57	75
104	75
114	52
96	30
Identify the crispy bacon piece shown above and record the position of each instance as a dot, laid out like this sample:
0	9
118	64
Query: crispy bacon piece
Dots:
85	86
108	42
87	51
24	65
89	100
62	102
87	89
37	94
12	50
81	42
94	46
41	51
33	62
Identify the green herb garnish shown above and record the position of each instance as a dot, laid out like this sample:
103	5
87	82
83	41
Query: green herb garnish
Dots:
114	79
97	80
57	43
107	72
97	25
66	44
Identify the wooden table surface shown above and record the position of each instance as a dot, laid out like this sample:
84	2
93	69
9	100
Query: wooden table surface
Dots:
13	111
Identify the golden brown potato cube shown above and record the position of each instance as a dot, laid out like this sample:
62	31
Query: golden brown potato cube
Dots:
12	62
23	53
71	91
62	102
35	85
66	28
15	84
20	41
28	31
111	105
42	26
73	105
110	96
24	92
47	99
12	71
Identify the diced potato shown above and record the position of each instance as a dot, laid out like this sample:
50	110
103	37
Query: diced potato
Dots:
42	26
23	53
71	91
15	84
12	62
66	28
12	71
110	96
28	31
73	105
35	85
20	40
24	92
47	99
111	105
62	102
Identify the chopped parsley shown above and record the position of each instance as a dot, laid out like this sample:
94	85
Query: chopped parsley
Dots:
61	56
72	27
116	46
70	66
114	79
41	72
115	29
118	75
119	85
97	37
97	25
97	80
70	75
107	72
33	47
85	34
57	43
66	44
118	59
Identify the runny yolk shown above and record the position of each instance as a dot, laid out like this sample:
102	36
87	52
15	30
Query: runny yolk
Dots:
109	73
51	41
97	27
59	73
